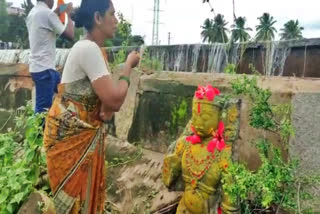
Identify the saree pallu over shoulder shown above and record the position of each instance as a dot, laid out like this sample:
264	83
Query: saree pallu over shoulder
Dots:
74	144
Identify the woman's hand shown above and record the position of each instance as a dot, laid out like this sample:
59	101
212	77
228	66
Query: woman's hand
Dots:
69	8
133	59
104	114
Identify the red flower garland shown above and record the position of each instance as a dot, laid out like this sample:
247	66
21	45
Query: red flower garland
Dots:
208	91
216	143
194	139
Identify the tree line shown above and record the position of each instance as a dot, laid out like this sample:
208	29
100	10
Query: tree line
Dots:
215	30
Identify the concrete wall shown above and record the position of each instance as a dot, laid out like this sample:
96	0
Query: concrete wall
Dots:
15	91
297	58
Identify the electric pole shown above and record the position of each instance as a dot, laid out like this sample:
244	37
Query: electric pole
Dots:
155	29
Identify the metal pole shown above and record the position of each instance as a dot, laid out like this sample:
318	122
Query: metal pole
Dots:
155	28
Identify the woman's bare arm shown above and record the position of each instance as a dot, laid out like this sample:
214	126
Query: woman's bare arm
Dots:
112	93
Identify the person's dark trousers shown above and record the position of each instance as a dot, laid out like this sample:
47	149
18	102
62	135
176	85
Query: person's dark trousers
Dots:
46	83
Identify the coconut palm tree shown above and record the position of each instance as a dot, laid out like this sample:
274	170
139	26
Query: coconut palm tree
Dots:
207	31
291	30
239	31
215	30
219	29
265	30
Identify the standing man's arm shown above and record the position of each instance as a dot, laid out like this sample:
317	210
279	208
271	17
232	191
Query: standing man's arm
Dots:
69	31
57	25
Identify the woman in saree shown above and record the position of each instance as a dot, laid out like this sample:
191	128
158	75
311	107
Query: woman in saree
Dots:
74	132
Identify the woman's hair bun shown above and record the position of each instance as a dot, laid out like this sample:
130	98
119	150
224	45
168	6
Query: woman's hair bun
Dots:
84	15
77	18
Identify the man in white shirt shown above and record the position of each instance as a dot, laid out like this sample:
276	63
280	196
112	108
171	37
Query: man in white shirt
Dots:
44	26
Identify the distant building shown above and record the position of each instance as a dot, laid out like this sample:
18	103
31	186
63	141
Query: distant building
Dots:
14	10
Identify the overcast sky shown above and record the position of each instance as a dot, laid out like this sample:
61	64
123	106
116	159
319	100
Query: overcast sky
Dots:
183	18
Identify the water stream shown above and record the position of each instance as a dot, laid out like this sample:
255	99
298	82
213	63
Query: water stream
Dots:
200	57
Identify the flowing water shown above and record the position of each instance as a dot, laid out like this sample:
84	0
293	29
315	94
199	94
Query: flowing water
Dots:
195	58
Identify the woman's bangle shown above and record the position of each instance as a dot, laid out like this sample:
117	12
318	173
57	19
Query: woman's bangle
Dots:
125	78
